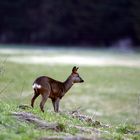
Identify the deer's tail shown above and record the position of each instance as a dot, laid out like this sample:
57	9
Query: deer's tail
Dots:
36	87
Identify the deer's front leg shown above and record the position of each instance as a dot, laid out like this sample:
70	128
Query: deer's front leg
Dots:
55	103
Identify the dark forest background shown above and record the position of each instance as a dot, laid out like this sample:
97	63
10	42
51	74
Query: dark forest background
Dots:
69	22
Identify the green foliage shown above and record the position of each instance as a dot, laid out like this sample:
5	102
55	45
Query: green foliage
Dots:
124	129
136	18
69	22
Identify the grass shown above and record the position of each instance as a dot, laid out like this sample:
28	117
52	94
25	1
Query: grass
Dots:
110	95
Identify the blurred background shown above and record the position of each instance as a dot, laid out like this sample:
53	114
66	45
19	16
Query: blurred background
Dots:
75	22
49	37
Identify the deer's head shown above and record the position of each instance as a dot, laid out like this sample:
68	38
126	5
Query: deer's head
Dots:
75	76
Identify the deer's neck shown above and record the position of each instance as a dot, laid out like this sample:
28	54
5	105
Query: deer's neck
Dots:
68	84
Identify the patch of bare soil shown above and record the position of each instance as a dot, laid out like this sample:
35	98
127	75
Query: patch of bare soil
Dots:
90	120
42	124
30	118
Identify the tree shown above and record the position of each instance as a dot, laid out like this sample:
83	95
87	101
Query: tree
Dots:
68	22
135	11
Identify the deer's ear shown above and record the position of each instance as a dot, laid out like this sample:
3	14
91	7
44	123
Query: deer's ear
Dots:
74	70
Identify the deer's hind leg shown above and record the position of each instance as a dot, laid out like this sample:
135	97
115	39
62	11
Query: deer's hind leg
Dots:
43	101
36	94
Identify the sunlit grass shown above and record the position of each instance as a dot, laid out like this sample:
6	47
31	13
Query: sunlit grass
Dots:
107	90
109	94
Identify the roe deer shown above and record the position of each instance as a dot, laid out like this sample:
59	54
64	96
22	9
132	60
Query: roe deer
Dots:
50	88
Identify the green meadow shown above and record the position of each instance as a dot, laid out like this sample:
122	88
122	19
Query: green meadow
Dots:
109	95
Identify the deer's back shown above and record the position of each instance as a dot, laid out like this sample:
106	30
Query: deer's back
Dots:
55	87
43	81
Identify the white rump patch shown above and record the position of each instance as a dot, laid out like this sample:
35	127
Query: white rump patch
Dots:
36	86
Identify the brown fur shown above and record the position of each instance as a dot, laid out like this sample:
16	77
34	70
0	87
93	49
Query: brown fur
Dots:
50	88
